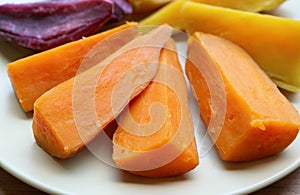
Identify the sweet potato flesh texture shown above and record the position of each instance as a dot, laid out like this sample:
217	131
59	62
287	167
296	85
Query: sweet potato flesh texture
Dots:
34	75
158	142
259	120
71	114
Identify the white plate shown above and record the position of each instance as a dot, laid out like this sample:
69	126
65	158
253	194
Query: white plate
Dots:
85	174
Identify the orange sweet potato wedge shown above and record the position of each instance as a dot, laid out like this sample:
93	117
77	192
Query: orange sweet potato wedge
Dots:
34	75
155	135
259	121
71	114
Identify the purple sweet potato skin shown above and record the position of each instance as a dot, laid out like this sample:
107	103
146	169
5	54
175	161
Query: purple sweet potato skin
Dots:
121	8
47	24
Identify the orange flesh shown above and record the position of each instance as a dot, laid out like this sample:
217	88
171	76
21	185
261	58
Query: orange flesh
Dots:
71	114
259	120
159	140
34	75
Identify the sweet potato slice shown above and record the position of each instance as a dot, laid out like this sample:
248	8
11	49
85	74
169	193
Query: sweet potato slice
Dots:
170	13
121	8
46	24
71	114
160	143
147	6
259	120
273	42
34	75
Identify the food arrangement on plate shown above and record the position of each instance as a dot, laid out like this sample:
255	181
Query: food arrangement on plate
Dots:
82	79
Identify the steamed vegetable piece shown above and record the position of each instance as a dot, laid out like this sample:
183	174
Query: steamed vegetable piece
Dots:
47	24
34	75
170	13
273	42
158	127
71	114
245	5
147	6
259	120
142	6
121	8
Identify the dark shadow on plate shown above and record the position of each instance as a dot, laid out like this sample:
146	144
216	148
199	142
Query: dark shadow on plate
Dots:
179	36
248	165
278	12
76	161
12	51
126	177
291	96
87	153
85	156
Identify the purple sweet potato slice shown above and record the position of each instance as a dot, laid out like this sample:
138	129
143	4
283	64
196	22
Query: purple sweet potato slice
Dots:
47	24
121	8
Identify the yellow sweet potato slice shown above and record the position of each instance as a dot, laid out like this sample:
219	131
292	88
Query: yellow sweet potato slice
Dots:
34	75
245	5
171	13
273	42
147	6
71	114
155	135
259	121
